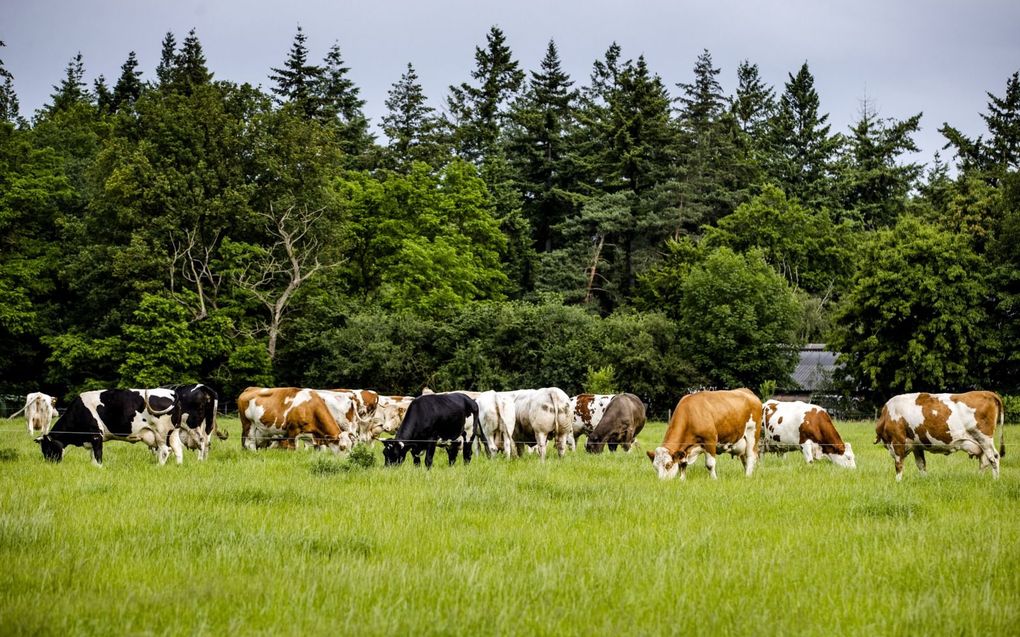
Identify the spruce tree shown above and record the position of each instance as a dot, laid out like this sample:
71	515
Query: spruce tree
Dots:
1001	153
875	186
103	95
542	120
72	88
190	70
297	82
754	102
801	150
410	124
9	107
340	103
479	110
167	60
702	100
129	87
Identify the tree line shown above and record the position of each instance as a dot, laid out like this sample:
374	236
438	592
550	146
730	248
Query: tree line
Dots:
532	230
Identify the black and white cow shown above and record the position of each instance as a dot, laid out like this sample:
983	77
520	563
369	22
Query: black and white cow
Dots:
433	419
196	417
131	415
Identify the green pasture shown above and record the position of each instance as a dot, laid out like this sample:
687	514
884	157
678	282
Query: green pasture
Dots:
301	543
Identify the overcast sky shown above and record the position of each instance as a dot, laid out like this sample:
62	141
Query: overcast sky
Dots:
936	56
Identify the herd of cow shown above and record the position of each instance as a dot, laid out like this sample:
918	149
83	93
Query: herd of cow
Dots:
169	419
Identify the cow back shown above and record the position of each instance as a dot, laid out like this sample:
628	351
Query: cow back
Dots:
720	416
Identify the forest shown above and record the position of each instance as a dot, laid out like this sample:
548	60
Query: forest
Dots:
529	229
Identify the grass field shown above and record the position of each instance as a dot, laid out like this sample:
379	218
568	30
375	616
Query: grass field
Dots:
281	542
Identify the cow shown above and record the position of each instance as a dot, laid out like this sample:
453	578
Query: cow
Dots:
587	410
497	414
710	422
796	425
39	411
623	420
343	406
366	401
131	415
389	414
279	416
942	423
541	414
434	419
197	417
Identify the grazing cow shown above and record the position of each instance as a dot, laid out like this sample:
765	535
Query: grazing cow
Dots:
497	414
278	416
541	414
789	426
623	420
588	410
942	423
389	414
343	406
131	415
433	419
710	422
197	417
39	411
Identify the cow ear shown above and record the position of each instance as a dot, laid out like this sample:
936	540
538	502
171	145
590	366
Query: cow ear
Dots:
651	455
53	401
678	455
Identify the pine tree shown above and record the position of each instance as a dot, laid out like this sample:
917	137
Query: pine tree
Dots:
801	150
410	124
129	87
190	69
297	82
103	95
1001	153
9	107
479	111
72	88
875	186
340	103
542	120
702	100
754	102
167	60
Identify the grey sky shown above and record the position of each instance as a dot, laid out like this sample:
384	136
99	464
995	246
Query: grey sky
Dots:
934	56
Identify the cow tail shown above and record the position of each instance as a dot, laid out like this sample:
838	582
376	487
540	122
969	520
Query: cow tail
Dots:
12	416
1002	426
222	435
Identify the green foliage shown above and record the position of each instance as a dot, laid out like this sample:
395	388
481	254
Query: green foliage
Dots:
912	320
601	380
1011	405
767	389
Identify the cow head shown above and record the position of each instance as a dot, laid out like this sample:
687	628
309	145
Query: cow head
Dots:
51	449
847	458
394	451
667	464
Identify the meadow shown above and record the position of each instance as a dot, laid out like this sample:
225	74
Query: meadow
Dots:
279	542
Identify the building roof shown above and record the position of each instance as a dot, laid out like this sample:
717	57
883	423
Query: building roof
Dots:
814	368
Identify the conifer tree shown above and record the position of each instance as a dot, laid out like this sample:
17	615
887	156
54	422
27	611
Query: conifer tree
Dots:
129	87
340	103
1001	153
754	102
410	124
167	60
9	107
190	68
801	150
297	81
103	95
542	120
72	88
479	110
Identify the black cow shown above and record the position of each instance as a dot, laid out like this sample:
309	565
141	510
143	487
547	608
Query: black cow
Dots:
131	415
433	419
623	421
196	417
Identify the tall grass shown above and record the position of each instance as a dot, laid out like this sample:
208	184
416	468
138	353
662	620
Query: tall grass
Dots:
280	542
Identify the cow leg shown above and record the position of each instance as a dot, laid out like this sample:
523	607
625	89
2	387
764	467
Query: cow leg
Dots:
97	451
468	452
990	454
562	442
206	441
919	459
176	446
541	442
710	465
416	458
430	452
451	451
897	457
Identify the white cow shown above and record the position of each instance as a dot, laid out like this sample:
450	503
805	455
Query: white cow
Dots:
541	414
40	409
796	425
497	414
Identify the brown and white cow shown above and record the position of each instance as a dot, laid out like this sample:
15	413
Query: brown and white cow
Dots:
623	420
796	425
40	409
710	422
279	416
587	410
366	401
942	423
